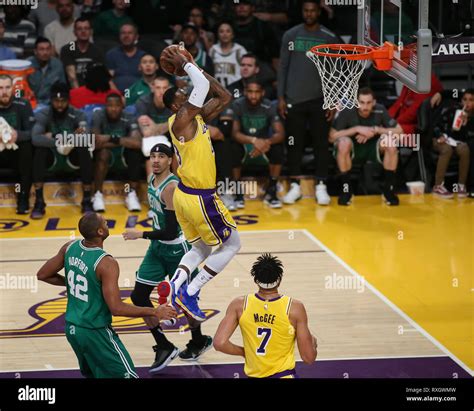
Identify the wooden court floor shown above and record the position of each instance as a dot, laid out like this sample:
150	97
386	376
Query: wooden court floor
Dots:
377	282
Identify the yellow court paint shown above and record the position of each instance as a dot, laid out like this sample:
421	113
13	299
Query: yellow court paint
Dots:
418	255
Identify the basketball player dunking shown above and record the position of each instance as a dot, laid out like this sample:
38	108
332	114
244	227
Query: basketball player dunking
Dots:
201	214
271	323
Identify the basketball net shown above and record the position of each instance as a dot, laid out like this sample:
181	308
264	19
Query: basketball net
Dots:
340	67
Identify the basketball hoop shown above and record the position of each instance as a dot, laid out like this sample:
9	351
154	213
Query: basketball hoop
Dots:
341	66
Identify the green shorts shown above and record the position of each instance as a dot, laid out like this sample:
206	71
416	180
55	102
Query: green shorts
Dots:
161	260
100	352
62	164
361	153
261	160
117	160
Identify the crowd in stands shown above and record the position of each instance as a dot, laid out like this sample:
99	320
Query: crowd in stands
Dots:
97	71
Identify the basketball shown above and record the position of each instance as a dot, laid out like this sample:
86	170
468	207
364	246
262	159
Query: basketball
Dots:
168	66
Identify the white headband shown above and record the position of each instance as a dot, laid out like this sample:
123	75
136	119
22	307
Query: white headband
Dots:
267	286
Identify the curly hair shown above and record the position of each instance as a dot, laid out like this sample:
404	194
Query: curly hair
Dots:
267	269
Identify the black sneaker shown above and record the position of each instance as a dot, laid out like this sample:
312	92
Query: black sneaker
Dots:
390	197
194	351
345	199
86	206
23	204
272	200
163	357
38	210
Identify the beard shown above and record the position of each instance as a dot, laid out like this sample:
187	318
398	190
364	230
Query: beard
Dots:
5	100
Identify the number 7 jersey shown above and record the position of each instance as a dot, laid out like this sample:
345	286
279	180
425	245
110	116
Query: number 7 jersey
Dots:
268	336
86	306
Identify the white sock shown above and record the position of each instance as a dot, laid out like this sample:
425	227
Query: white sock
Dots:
199	281
179	277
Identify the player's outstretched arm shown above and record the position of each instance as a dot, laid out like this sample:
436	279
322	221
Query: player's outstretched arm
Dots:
171	223
108	272
307	344
49	271
226	329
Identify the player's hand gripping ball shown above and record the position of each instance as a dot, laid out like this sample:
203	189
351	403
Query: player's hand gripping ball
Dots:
172	59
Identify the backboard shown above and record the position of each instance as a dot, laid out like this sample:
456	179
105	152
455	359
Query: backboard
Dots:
405	24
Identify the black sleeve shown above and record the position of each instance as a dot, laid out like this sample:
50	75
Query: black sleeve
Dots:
66	56
27	122
170	230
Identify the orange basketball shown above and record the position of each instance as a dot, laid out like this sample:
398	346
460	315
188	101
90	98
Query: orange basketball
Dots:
169	67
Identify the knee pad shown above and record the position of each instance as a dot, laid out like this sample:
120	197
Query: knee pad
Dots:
202	249
224	254
233	242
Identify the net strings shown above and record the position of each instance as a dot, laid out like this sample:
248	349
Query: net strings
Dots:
339	77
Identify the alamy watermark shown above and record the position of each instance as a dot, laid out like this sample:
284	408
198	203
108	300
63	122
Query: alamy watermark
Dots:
344	282
32	3
358	3
19	282
28	393
410	140
72	140
246	188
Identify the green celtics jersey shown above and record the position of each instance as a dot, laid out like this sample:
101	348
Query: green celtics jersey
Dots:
138	89
157	205
86	306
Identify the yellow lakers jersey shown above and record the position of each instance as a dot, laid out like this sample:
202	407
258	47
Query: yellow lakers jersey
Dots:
196	162
268	336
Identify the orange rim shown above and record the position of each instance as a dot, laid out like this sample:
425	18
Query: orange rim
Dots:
359	52
382	56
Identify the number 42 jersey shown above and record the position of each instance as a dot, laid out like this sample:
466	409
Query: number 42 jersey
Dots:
86	306
268	336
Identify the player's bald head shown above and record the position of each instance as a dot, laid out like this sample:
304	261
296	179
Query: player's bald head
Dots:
90	224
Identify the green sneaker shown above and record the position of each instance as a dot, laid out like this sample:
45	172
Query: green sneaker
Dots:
192	351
